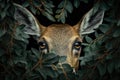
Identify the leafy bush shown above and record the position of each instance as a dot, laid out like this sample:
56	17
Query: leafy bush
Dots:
101	60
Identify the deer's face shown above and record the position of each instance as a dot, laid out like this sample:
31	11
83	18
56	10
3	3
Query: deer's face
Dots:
64	40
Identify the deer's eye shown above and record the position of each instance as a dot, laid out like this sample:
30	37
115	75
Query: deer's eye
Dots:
77	45
42	45
76	48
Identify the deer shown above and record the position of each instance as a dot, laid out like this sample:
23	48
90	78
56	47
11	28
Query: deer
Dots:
64	39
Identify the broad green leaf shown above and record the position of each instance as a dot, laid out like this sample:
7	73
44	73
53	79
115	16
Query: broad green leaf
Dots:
49	56
58	11
11	11
62	59
110	67
109	57
2	32
61	4
49	59
1	52
36	52
104	28
33	9
88	39
69	7
102	69
85	44
118	23
49	16
49	63
3	14
109	45
25	36
67	67
83	61
51	73
62	18
25	4
42	72
21	61
49	10
117	63
65	13
116	33
96	34
104	6
76	3
36	3
49	5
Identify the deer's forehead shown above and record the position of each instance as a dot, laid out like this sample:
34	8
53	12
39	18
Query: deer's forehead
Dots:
60	30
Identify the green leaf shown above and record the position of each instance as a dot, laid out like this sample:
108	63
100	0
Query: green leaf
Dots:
20	60
33	9
3	14
117	63
11	11
62	59
58	11
36	52
51	73
49	16
87	49
69	7
76	3
109	57
96	34
85	44
61	4
118	23
49	59
25	4
49	56
25	36
36	3
104	28
109	46
2	32
49	5
42	72
83	61
110	67
88	39
104	6
65	13
116	33
62	18
67	67
110	19
49	10
102	69
1	52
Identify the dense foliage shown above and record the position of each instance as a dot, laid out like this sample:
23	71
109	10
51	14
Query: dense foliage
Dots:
101	60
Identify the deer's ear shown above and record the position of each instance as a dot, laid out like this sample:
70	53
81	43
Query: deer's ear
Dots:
90	21
25	17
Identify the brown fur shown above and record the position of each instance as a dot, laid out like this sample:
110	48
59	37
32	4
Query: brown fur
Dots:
60	38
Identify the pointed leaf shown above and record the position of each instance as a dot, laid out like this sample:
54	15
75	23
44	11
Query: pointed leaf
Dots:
69	7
